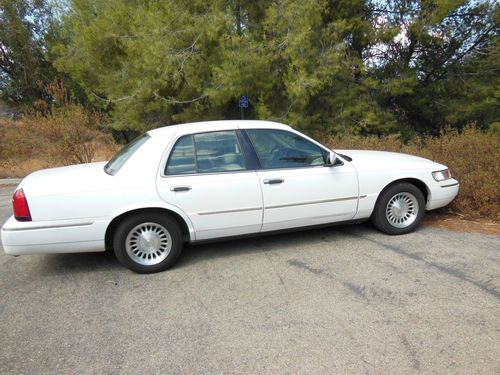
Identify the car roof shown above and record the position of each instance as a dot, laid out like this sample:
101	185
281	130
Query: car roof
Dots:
198	127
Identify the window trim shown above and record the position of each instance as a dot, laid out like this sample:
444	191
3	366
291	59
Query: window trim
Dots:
252	160
320	146
192	135
243	132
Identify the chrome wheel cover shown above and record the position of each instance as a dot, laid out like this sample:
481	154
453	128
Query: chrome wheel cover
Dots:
148	244
402	210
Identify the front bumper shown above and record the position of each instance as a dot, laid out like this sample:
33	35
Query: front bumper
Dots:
443	193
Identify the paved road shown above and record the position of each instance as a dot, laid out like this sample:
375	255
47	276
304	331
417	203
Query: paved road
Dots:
340	300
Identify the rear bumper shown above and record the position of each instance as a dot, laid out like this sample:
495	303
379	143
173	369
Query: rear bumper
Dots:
443	194
68	236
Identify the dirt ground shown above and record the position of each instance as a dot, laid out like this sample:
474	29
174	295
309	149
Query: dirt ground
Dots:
456	223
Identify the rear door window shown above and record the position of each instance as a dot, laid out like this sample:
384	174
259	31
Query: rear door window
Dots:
206	153
182	159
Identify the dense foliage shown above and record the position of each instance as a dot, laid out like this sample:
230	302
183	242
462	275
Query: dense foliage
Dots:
367	67
23	63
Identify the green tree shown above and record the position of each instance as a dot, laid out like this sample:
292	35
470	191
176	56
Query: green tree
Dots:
319	47
435	61
24	68
368	67
145	61
155	63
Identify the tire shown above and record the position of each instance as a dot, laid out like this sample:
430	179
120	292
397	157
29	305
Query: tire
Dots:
148	242
399	209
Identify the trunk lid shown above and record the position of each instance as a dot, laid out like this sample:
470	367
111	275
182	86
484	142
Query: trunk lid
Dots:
64	180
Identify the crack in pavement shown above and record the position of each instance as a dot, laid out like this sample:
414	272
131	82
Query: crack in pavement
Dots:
357	290
317	271
415	363
447	270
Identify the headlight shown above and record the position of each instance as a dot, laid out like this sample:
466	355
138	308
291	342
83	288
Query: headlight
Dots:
442	175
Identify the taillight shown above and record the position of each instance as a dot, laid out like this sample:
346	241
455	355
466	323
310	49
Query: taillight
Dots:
20	205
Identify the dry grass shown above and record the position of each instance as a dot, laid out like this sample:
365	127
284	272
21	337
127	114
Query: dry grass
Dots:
25	147
66	133
472	156
19	168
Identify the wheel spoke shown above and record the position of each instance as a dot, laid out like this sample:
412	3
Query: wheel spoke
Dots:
148	243
401	210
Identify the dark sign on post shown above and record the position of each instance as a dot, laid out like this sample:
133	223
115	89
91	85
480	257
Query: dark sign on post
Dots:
243	101
243	104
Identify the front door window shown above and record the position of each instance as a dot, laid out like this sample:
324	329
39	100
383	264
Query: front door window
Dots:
282	149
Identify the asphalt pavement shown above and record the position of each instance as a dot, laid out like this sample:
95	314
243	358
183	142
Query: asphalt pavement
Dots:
343	300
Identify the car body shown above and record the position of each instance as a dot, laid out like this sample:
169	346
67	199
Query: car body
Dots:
214	180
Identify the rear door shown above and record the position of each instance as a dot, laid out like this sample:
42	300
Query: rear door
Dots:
207	176
298	188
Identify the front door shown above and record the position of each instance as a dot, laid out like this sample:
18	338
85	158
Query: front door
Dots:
207	177
298	188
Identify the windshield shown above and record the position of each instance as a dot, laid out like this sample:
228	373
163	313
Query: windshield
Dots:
114	165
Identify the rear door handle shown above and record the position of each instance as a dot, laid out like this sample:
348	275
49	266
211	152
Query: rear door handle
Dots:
180	188
273	181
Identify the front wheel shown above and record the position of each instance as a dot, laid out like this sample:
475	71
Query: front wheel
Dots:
148	242
399	209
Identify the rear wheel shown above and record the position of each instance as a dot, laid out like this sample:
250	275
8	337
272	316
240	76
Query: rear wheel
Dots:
399	209
148	242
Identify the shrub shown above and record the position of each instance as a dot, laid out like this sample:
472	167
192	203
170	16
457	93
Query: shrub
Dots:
58	134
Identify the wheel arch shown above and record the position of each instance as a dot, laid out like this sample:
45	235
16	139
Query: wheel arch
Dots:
411	180
113	225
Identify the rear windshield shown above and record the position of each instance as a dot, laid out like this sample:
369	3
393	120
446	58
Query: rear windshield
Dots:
120	158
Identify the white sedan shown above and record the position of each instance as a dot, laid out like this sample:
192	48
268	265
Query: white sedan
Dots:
203	181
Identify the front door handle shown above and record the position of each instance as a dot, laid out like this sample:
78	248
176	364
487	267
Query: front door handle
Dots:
273	181
180	188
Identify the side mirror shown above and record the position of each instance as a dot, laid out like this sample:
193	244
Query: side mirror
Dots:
331	158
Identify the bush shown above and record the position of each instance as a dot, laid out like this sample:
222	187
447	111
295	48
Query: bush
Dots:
58	134
471	154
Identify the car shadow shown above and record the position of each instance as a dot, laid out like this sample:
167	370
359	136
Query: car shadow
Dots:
266	242
106	261
57	264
